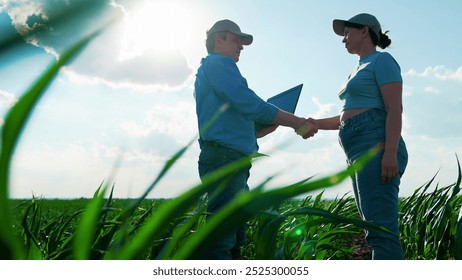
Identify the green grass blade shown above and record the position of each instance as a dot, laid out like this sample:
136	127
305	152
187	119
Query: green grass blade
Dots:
88	225
458	238
31	225
269	223
456	188
458	235
15	122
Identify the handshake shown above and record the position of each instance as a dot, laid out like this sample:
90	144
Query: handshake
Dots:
308	128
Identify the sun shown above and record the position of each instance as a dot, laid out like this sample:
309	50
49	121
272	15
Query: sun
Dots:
158	26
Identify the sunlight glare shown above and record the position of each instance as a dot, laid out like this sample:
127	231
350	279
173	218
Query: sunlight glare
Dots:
159	26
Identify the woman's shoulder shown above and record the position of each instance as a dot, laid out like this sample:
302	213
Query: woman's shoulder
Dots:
385	57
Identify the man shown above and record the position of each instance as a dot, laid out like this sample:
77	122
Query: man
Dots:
227	110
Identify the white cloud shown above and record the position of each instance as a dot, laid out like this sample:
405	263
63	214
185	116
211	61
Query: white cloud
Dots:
429	155
431	90
324	110
407	90
160	132
134	129
54	25
7	99
71	171
178	121
103	60
19	12
76	170
148	72
440	72
406	124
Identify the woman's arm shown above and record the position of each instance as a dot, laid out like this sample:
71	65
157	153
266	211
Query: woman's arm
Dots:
392	98
331	123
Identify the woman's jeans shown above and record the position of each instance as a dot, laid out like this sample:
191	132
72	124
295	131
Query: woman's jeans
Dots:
377	202
214	156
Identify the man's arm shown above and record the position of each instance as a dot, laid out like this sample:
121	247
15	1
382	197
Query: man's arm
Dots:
302	126
267	130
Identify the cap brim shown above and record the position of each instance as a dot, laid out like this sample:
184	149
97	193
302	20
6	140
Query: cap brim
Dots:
339	26
246	39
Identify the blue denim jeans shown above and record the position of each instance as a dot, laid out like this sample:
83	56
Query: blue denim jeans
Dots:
214	156
377	202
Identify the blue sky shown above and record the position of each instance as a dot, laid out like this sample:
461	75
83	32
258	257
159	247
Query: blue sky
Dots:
129	96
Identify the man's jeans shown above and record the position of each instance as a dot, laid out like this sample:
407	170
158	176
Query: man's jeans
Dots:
213	156
376	202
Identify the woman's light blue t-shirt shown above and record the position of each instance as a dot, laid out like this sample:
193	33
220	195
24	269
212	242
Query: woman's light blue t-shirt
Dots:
362	88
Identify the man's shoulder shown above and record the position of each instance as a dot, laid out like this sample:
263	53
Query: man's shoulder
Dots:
218	58
215	64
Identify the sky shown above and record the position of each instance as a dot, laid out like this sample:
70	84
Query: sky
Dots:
124	106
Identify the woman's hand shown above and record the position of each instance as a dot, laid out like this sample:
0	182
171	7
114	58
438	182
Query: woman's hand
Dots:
390	168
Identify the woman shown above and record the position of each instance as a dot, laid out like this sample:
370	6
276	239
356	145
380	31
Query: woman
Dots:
371	116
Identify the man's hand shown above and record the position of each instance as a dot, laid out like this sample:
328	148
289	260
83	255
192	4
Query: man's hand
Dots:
308	129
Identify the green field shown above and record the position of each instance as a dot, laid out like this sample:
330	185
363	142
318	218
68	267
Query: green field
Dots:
296	229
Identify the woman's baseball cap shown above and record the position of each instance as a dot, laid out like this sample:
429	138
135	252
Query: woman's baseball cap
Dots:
362	19
227	25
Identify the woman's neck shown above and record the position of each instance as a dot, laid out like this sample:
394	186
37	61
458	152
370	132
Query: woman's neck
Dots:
366	50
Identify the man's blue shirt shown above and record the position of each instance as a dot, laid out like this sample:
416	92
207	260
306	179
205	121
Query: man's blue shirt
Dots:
220	90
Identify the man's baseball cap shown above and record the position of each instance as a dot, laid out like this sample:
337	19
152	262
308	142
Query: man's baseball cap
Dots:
362	19
227	25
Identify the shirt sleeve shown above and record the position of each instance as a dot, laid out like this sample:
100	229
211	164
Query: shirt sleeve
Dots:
228	83
387	70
